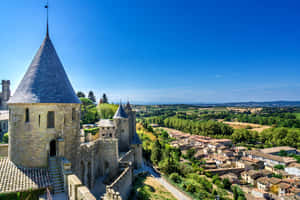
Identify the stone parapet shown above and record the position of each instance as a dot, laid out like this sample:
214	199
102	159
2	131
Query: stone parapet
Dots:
121	187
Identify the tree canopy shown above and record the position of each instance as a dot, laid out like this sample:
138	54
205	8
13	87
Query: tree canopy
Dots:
107	111
92	97
104	98
80	94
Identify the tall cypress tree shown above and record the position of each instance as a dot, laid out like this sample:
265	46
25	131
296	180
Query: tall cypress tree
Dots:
91	96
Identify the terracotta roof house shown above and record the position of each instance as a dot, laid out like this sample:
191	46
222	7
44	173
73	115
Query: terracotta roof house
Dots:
276	150
270	159
251	176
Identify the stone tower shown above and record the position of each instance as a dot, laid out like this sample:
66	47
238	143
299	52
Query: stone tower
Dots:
5	90
44	112
122	129
131	119
5	94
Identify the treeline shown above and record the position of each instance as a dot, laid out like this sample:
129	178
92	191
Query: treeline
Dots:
277	117
268	138
276	136
209	128
273	119
270	117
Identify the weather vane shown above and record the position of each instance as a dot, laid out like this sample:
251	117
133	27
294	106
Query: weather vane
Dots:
46	6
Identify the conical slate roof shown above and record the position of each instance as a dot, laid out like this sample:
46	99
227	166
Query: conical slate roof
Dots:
120	113
45	80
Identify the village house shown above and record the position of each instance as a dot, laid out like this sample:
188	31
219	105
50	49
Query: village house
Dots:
293	169
251	176
259	194
283	188
249	163
210	164
233	178
263	183
277	150
269	159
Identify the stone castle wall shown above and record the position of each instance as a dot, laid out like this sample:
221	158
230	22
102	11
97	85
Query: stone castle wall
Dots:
76	190
97	158
33	137
3	150
121	187
128	157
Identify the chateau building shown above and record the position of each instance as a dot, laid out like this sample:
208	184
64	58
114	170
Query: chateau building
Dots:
45	138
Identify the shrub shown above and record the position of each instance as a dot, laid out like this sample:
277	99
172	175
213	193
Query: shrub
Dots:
175	178
5	138
279	167
92	130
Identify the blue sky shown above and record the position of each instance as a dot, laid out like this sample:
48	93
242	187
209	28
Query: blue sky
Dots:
162	51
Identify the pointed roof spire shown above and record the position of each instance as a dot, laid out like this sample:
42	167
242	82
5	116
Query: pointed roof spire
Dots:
128	106
120	113
45	80
47	7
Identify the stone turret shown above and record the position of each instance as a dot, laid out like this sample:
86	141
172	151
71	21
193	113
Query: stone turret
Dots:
5	90
131	119
122	128
44	112
5	95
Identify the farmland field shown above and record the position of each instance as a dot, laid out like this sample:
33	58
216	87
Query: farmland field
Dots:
254	127
297	115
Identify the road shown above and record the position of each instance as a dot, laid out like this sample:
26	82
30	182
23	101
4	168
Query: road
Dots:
173	190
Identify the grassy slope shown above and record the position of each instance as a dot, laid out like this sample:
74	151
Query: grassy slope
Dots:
150	189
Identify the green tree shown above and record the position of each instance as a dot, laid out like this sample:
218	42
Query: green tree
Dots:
175	177
91	96
156	153
89	113
80	94
279	167
104	98
226	183
107	111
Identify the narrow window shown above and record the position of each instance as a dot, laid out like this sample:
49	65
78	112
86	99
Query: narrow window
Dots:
73	114
27	115
39	120
50	119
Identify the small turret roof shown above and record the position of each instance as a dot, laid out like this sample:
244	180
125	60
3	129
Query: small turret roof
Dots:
136	139
120	113
128	106
45	80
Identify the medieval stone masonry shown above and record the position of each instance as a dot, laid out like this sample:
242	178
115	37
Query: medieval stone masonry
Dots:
46	142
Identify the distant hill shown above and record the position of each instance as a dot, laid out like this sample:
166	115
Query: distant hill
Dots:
255	104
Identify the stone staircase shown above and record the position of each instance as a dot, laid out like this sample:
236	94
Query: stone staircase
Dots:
55	175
